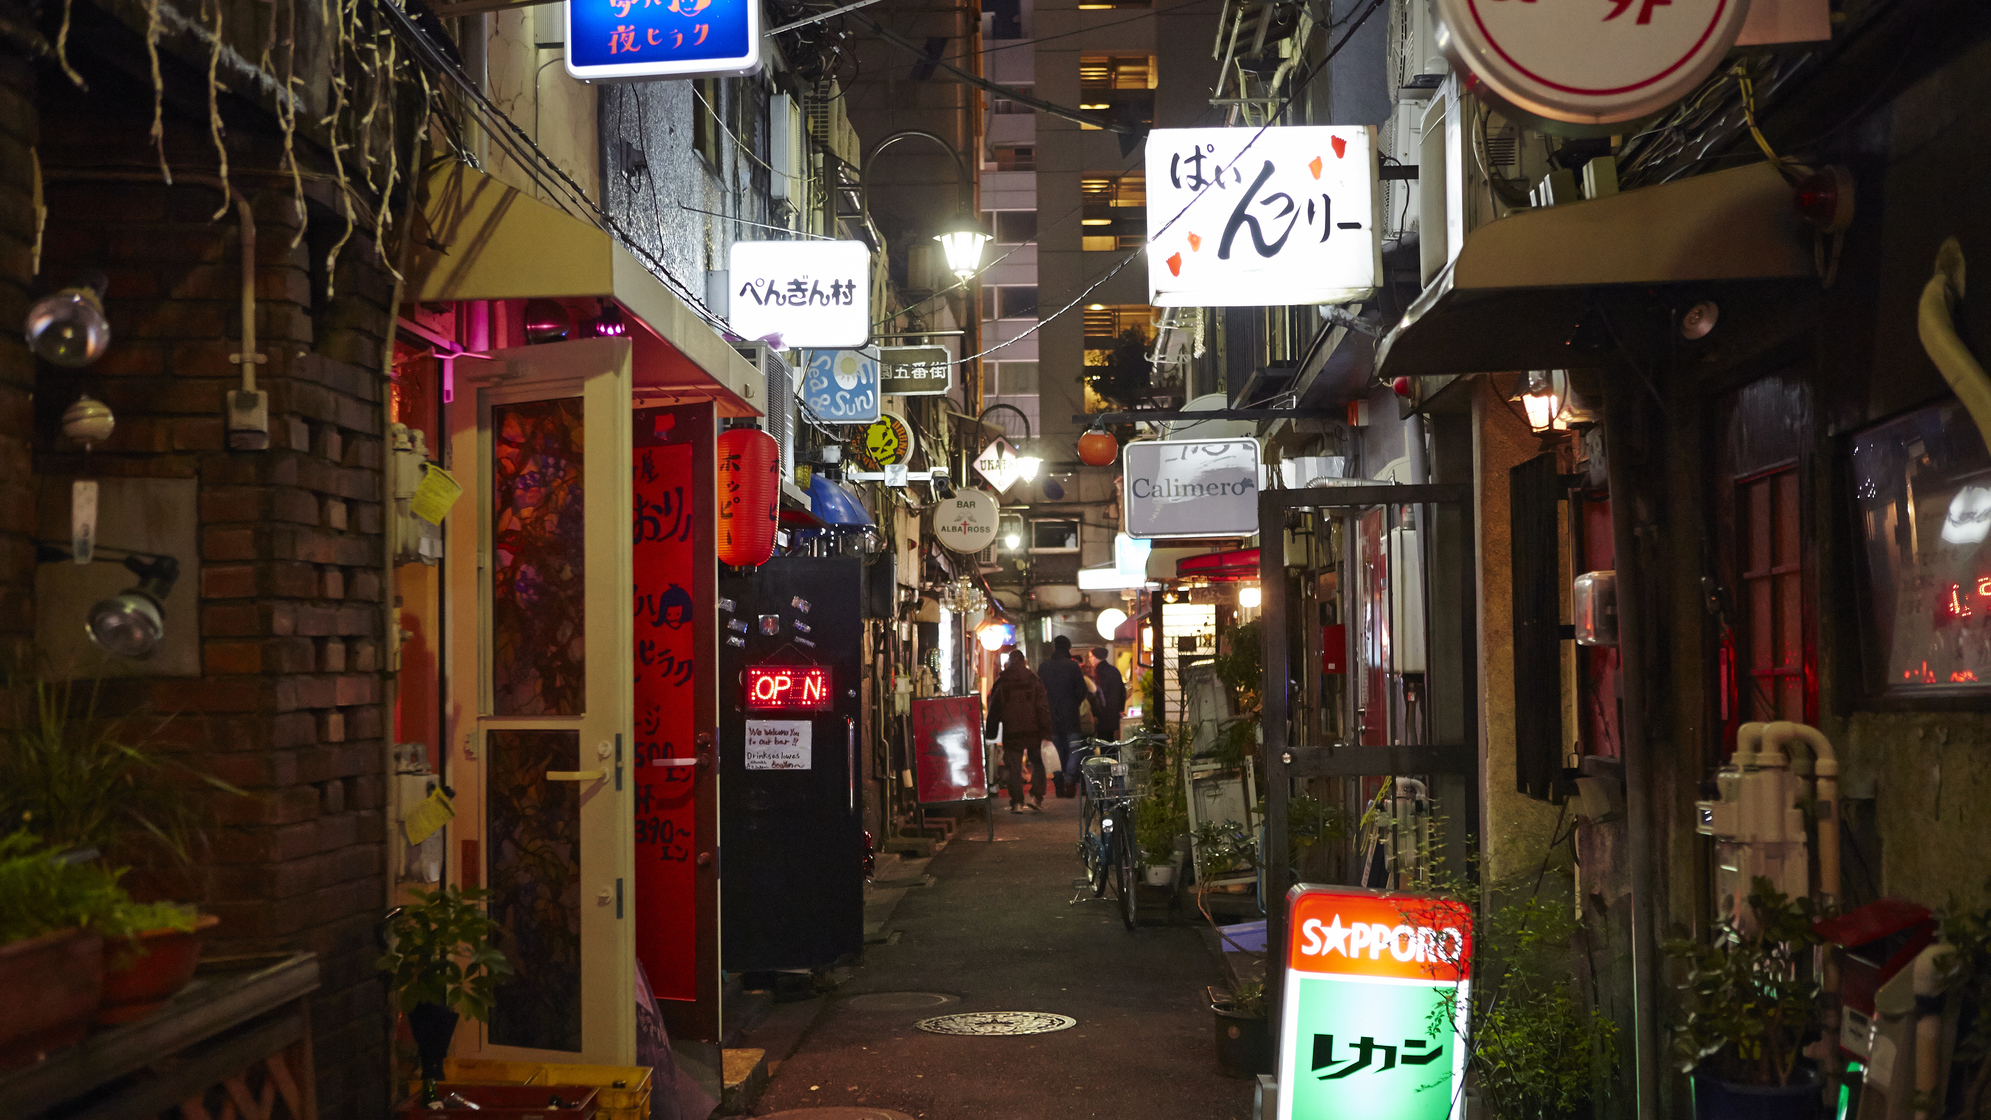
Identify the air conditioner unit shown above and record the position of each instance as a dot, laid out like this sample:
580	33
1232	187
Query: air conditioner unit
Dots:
782	386
787	148
829	123
1416	66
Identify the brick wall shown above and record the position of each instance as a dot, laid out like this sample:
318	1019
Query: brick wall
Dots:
18	133
289	701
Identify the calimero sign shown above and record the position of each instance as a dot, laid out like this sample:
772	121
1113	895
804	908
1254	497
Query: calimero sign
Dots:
1374	1015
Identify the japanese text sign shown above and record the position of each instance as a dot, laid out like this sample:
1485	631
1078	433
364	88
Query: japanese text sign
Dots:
1244	217
609	40
801	293
916	371
1372	1021
1190	488
1591	62
799	688
841	386
947	749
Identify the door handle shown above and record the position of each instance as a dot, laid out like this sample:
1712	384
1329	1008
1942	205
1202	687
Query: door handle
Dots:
576	775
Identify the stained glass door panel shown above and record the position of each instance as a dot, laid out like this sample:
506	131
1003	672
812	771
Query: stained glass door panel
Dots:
539	740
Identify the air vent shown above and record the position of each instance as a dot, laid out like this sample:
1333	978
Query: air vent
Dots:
780	399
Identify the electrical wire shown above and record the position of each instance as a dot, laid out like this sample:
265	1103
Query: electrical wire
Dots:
1287	103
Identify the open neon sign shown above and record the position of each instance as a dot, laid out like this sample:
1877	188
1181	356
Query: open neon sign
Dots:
793	688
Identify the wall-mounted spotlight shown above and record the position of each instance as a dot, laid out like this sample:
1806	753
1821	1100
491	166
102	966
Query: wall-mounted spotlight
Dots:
68	328
131	623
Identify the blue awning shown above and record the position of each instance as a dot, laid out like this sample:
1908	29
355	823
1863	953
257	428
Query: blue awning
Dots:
837	504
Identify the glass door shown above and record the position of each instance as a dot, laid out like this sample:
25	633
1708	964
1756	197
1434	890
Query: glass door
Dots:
539	704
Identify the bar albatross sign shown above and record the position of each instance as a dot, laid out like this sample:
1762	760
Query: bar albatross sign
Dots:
1372	1023
1191	488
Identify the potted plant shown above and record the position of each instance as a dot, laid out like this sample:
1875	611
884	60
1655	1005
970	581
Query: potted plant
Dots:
1963	969
53	911
442	964
1749	999
151	951
1244	1040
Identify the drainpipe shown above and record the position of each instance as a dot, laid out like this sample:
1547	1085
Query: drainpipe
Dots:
1636	750
477	67
246	413
1938	330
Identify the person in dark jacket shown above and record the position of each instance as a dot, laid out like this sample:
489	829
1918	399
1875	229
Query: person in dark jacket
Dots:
1109	694
1064	681
1019	705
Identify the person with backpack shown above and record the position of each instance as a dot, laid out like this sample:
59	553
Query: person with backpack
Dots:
1019	705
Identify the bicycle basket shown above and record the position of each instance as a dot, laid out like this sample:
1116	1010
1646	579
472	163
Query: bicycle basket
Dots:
1106	777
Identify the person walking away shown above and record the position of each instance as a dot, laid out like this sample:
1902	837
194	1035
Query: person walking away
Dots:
1109	694
1019	705
1064	681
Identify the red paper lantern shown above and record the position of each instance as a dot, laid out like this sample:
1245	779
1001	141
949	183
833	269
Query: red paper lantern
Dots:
749	496
1098	448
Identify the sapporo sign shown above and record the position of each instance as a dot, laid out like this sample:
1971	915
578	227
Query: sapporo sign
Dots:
1372	1023
1244	217
637	40
1190	487
916	371
1588	62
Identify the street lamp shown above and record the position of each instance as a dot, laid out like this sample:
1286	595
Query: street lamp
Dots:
963	241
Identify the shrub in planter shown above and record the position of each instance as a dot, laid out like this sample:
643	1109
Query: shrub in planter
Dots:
152	953
53	912
1749	1000
443	963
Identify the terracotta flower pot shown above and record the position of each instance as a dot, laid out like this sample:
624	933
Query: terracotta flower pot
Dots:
52	984
141	980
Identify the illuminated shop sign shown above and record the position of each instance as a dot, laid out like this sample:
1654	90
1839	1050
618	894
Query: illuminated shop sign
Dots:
801	293
634	40
1372	1022
788	688
1243	217
1191	488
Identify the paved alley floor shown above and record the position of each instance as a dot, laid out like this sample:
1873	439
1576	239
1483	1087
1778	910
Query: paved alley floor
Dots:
996	933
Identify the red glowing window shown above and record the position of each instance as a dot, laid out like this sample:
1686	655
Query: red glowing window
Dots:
788	688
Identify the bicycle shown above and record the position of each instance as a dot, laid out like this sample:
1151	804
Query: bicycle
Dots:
1107	823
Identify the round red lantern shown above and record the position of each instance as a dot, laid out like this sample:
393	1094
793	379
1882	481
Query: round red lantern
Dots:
749	496
1098	448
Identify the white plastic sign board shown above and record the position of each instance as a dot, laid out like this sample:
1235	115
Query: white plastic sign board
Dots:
778	744
801	293
967	521
841	386
641	40
1246	217
1190	488
1606	63
1373	1013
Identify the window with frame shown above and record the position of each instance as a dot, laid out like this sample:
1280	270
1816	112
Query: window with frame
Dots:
1054	535
1774	669
1118	86
1115	211
1011	227
1020	157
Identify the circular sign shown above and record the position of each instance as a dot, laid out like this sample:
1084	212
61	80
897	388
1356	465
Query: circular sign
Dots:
966	522
1595	63
889	441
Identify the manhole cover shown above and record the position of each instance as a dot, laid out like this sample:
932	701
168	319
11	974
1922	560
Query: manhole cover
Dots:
997	1022
897	1001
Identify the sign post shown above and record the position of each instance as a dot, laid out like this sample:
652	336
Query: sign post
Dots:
1372	1020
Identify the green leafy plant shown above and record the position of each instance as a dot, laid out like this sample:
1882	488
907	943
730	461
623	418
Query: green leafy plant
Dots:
80	781
135	918
1248	999
1965	971
443	952
1163	814
1749	998
41	892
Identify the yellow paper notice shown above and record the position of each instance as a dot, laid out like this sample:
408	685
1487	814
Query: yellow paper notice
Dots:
432	813
437	491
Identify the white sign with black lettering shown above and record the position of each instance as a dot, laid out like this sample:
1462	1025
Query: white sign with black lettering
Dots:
778	744
1191	488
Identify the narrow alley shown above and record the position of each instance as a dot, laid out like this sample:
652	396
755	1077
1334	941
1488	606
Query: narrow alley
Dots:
996	931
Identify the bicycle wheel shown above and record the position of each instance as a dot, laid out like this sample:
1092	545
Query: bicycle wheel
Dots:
1093	847
1127	872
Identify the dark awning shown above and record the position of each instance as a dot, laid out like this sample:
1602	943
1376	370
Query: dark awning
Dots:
1234	564
1513	296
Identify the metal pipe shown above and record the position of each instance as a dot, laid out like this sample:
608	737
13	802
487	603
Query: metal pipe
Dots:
1273	707
1938	333
1636	750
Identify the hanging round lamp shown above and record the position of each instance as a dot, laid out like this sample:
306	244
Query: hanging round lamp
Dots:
1098	448
749	496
